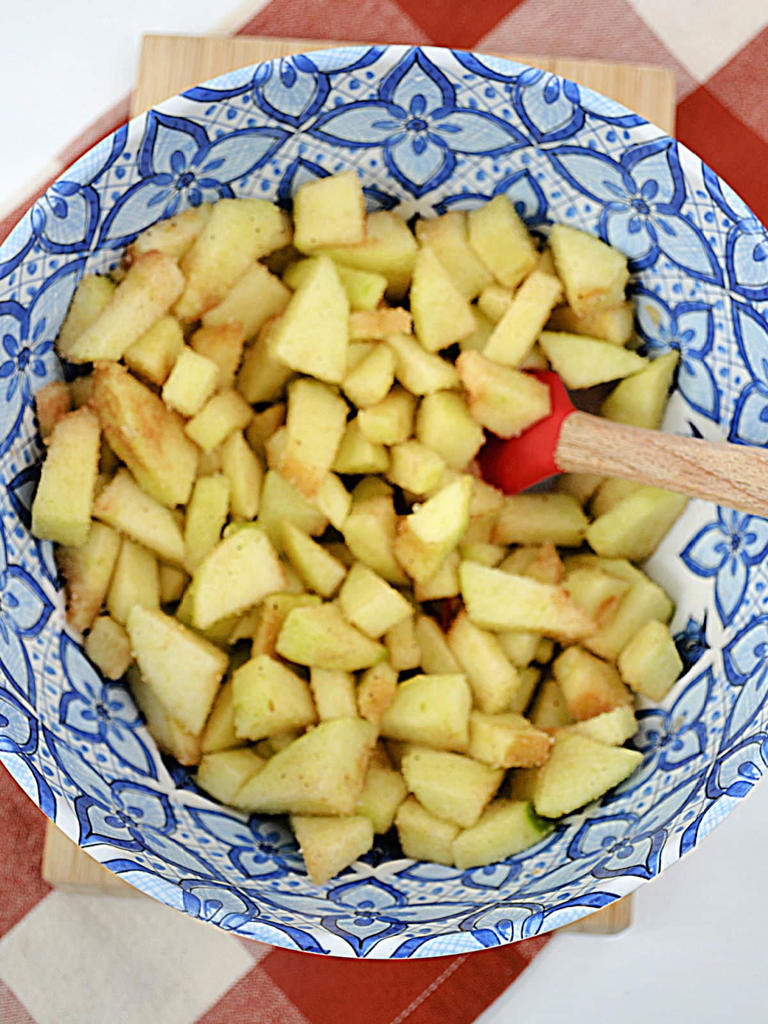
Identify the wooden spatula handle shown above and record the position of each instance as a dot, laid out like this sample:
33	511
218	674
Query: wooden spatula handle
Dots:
729	474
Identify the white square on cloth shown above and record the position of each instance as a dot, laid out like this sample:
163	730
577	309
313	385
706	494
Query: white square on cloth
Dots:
705	34
78	958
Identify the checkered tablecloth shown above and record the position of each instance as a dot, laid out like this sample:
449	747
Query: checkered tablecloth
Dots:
56	951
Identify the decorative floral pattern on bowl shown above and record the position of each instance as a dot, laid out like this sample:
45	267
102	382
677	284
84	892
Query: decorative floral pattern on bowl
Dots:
427	130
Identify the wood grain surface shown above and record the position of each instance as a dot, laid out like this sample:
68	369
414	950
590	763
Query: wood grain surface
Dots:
170	64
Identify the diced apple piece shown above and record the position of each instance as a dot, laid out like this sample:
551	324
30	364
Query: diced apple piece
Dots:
448	237
594	274
190	383
379	323
414	467
614	324
364	289
356	454
506	827
376	691
389	421
315	425
595	592
270	617
369	532
370	603
441	313
169	735
430	709
490	674
135	581
108	647
219	732
549	710
333	500
148	290
147	436
281	502
319	570
173	236
445	424
403	646
329	211
182	668
254	298
312	334
643	602
269	699
262	376
578	771
383	791
237	232
515	334
581	485
223	345
589	685
419	371
501	240
445	582
370	380
498	600
507	740
450	786
153	355
334	693
91	298
241	570
242	469
389	248
494	301
322	638
529	680
205	519
321	772
423	836
613	727
519	646
429	534
640	399
611	491
536	518
223	774
88	570
649	663
226	412
329	844
52	403
635	526
61	510
264	424
583	362
436	655
505	401
124	506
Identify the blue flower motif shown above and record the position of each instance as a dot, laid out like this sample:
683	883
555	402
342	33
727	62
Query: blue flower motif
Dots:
180	166
24	611
727	549
745	660
746	247
689	330
750	417
217	904
548	105
418	126
674	738
260	849
640	199
369	917
691	642
101	711
736	772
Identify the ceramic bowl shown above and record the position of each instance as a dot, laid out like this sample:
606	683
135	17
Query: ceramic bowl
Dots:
428	130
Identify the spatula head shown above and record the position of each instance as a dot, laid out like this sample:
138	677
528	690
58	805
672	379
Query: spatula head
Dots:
520	462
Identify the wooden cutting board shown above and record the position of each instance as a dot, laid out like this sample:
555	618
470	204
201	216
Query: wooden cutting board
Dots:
170	64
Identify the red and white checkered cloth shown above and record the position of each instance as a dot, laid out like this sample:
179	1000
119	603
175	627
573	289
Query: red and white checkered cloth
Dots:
57	950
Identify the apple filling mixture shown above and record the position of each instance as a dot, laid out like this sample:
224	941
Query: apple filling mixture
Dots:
262	493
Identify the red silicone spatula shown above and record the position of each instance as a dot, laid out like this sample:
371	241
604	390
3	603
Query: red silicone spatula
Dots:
570	441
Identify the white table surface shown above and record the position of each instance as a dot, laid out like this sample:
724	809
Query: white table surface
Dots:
696	949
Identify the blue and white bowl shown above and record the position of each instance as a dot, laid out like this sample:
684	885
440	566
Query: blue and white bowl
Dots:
428	130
